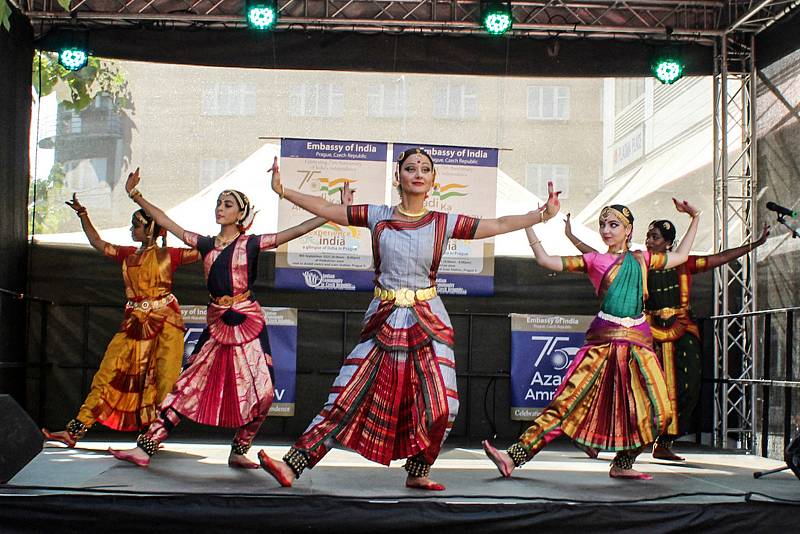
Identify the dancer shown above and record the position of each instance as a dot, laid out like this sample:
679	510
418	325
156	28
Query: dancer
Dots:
676	336
614	396
395	396
228	380
143	359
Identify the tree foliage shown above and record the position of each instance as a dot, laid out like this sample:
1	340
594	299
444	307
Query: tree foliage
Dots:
99	76
45	214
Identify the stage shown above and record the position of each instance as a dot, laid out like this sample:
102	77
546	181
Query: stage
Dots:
189	486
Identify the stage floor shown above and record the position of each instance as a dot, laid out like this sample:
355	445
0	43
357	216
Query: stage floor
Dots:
189	488
560	473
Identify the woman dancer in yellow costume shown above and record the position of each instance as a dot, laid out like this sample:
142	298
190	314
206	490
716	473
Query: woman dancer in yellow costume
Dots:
143	359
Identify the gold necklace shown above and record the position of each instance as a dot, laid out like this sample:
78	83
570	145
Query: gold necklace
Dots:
222	242
409	214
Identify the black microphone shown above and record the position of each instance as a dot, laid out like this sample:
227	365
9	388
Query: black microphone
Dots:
780	210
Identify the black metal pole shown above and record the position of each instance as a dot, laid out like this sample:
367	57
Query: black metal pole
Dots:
766	390
787	392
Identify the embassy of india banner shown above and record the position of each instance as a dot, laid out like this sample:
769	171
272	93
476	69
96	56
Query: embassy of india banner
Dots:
332	257
339	258
542	349
282	332
466	183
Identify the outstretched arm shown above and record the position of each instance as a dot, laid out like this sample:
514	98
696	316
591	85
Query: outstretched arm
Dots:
311	224
316	205
725	256
681	254
154	211
509	223
580	245
88	228
544	259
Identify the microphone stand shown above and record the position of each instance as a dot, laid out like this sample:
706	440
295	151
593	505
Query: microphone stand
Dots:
782	220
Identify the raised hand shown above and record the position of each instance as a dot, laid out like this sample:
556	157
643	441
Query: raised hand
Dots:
132	181
553	204
276	177
683	206
568	227
346	194
74	203
763	237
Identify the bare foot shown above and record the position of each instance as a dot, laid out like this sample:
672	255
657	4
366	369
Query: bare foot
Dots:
135	456
424	483
241	461
631	474
62	436
501	459
278	469
665	453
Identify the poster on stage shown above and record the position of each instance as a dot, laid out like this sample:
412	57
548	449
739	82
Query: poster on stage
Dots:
466	183
332	257
542	349
282	332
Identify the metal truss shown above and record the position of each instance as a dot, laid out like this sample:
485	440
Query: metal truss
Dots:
735	349
683	19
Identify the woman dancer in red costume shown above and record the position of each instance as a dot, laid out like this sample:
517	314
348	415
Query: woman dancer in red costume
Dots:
228	381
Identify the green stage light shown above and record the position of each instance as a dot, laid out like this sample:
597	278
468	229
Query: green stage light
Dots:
667	69
261	14
73	58
496	17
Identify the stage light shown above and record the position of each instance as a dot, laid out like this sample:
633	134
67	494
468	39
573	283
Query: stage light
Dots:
496	17
73	58
261	14
667	69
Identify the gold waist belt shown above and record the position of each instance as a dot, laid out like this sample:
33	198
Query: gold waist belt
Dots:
405	297
150	304
226	301
666	313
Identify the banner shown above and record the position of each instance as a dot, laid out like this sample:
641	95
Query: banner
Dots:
282	332
542	349
339	258
332	257
466	183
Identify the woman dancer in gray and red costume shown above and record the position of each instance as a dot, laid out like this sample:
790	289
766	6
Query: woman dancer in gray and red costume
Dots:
395	396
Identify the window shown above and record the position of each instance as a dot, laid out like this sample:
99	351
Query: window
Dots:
387	100
548	102
229	99
211	169
626	92
537	175
316	100
455	101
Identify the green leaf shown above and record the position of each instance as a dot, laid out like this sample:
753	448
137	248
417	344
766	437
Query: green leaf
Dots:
64	4
5	15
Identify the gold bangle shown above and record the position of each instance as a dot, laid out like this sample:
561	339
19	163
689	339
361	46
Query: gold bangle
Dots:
534	243
283	192
134	193
696	214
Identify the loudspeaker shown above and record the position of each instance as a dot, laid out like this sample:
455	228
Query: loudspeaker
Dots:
20	438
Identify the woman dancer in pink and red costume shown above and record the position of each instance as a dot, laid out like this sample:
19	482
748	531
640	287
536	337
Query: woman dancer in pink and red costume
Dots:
229	379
